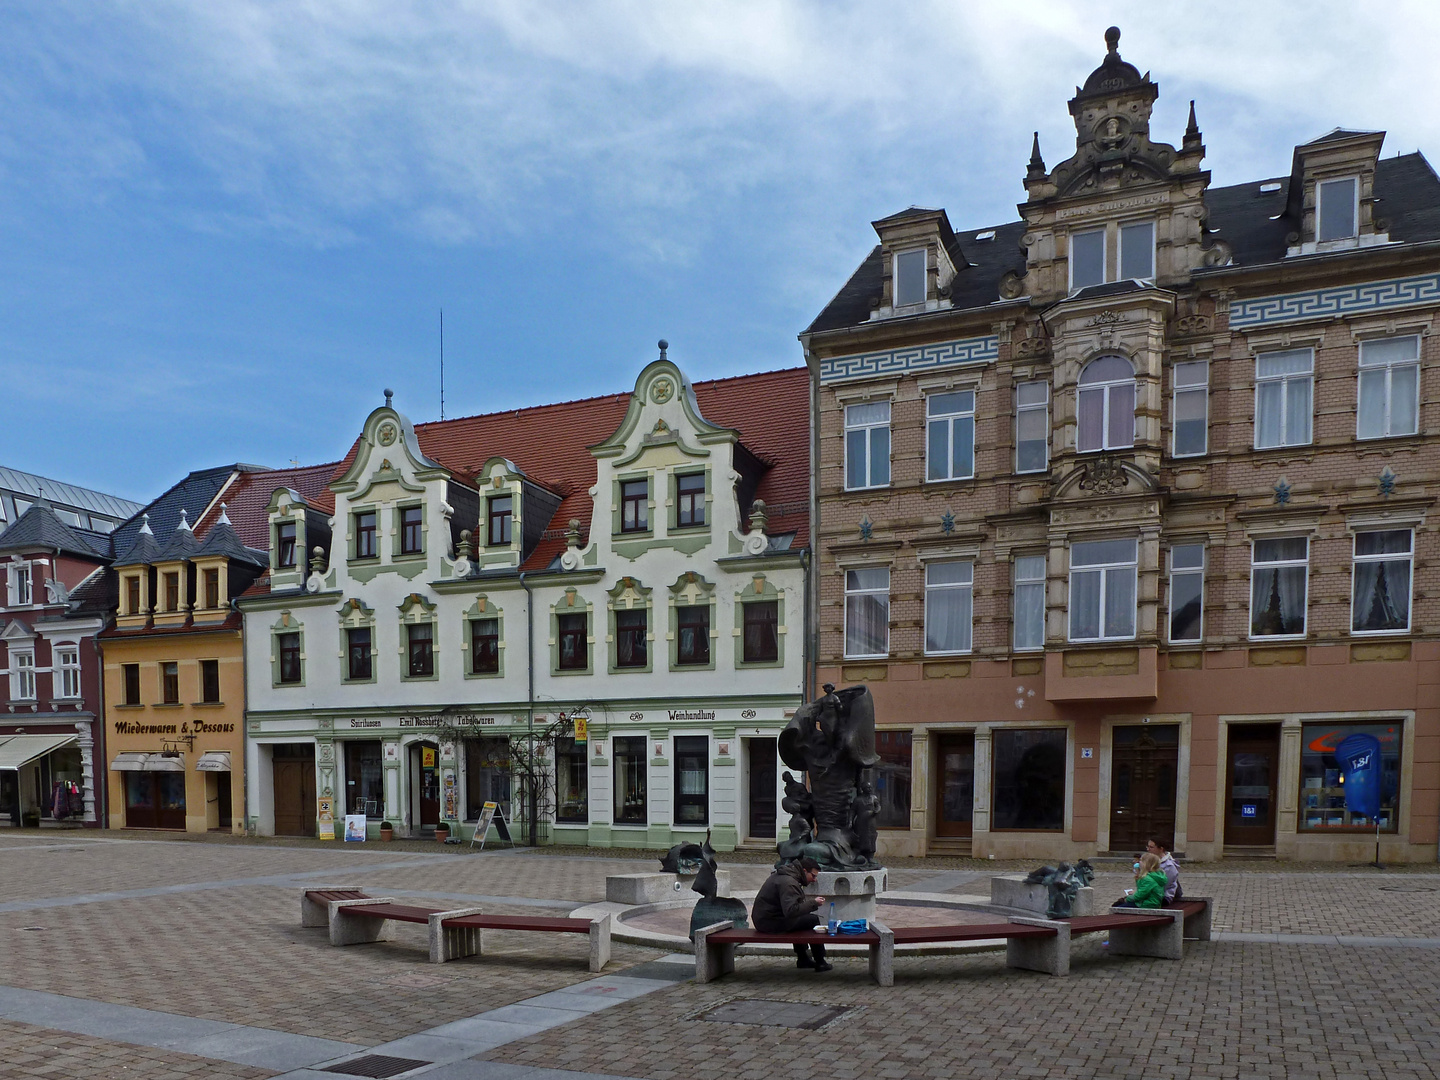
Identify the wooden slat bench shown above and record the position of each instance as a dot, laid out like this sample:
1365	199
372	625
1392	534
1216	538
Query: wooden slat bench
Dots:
1157	932
715	947
1030	944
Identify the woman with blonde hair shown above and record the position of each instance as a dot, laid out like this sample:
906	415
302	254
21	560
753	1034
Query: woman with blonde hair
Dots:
1149	884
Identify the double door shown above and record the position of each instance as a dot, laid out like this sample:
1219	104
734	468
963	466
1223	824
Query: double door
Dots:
1144	763
294	767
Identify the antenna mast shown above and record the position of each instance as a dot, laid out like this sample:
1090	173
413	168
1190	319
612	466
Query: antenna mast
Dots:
442	363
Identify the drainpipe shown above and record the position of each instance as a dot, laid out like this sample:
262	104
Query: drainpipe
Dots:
532	798
807	654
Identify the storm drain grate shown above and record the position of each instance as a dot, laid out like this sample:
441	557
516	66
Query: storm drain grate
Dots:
376	1065
1409	888
766	1013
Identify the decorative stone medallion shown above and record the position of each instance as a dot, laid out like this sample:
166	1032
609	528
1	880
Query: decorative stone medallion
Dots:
662	390
387	433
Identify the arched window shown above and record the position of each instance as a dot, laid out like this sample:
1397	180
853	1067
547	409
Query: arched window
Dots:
1107	405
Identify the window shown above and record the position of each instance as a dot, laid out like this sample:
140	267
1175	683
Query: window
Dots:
172	591
1029	778
761	637
692	780
212	588
867	445
949	588
289	646
1282	398
574	656
1032	427
892	778
170	682
285	544
1029	602
1191	413
358	661
1322	788
1106	405
1187	591
631	628
487	774
690	500
1087	258
634	506
420	644
484	646
132	594
950	436
409	530
1278	576
501	514
210	682
1102	590
1137	251
572	794
910	277
630	781
21	592
67	671
364	778
365	535
692	638
1337	210
131	675
1389	388
22	674
867	612
1380	601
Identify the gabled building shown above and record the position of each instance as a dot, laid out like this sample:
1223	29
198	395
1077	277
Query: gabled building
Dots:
465	590
1123	505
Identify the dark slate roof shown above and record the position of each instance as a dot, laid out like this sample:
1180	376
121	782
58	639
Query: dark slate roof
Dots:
182	543
144	548
223	540
192	494
1252	222
40	527
99	593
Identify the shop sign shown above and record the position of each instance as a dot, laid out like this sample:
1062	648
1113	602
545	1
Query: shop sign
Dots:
459	720
427	757
582	729
1247	810
325	817
361	725
680	715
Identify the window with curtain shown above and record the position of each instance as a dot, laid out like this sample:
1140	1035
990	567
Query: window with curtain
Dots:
1029	584
1106	405
892	778
949	606
950	436
867	445
1102	590
484	646
1279	570
67	670
1284	384
1187	591
692	779
288	646
1029	791
574	649
867	612
630	780
692	634
1380	600
421	642
631	628
1190	412
1389	394
1032	427
762	640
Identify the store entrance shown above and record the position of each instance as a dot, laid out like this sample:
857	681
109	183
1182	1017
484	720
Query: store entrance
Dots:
155	800
955	792
760	766
1144	764
425	770
294	790
1250	776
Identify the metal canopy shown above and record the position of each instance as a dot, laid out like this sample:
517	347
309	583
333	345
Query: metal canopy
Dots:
19	750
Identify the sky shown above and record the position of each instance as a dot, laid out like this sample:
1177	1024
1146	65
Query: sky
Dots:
227	226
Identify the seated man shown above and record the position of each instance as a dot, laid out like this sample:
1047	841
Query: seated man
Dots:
1171	868
781	907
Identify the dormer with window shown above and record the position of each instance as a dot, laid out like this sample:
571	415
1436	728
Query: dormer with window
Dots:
920	257
136	577
513	514
223	568
296	529
175	576
1332	193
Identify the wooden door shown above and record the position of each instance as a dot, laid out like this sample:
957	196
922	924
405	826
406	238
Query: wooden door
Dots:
429	759
295	791
760	761
1144	762
955	792
1250	777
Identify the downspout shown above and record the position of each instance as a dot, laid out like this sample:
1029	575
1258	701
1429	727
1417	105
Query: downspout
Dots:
244	727
532	797
812	585
99	752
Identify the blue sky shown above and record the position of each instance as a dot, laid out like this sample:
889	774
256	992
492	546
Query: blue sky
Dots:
227	226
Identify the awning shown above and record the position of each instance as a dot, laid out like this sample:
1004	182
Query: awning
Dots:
136	762
18	750
213	761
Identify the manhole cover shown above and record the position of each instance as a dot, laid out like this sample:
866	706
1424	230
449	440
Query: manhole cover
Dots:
790	1014
1409	888
375	1065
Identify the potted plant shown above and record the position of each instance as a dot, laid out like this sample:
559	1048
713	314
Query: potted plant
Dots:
387	831
442	832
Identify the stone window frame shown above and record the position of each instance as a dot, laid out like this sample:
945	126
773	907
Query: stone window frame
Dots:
59	650
628	594
1389	368
1104	569
354	615
1350	238
1202	571
21	671
617	509
354	513
1016	583
397	552
690	589
483	608
415	610
673	503
759	589
572	603
285	624
141	581
1042	407
1410	524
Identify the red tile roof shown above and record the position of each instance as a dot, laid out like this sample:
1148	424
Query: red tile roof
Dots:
247	500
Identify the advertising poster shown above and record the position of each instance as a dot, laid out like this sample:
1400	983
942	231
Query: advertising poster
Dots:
325	817
355	828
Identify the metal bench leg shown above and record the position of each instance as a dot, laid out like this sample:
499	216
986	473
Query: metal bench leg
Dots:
347	929
1164	940
317	913
1048	954
453	942
882	955
1197	926
600	942
712	961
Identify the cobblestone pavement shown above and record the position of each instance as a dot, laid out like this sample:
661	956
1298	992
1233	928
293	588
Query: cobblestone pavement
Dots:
211	930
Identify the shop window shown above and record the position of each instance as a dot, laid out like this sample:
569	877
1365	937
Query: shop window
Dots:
1389	393
1106	405
172	591
690	500
634	506
692	780
892	778
573	631
364	778
761	632
131	674
692	634
501	515
487	774
1032	427
1087	258
1102	590
1380	600
630	773
1279	570
1029	778
1187	592
170	683
1284	384
950	436
631	628
1322	786
67	672
867	612
210	682
155	800
288	645
410	530
1190	412
572	782
867	445
285	544
365	535
358	654
420	648
1337	210
22	674
949	605
132	594
484	646
1029	585
212	588
910	277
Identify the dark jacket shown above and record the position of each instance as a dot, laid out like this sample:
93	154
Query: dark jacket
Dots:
782	900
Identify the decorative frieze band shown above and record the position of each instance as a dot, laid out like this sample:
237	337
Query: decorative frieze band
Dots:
1372	296
916	358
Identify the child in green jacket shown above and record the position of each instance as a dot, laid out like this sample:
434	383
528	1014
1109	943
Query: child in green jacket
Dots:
1149	884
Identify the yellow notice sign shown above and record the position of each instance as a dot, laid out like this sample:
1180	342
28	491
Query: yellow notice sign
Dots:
325	817
427	757
581	729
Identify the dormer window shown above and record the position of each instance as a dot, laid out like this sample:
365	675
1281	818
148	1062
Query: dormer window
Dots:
1336	211
1106	405
501	515
910	277
1091	262
285	544
172	591
132	594
1087	259
212	588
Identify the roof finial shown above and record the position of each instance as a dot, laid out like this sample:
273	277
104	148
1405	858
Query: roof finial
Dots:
184	525
1037	163
663	346
1192	128
389	395
224	518
145	525
1112	39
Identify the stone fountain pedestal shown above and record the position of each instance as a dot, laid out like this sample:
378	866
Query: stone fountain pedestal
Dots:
1012	891
853	892
633	889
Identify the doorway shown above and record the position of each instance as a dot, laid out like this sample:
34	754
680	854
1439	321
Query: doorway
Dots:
955	794
760	765
425	769
154	800
294	767
1144	763
1251	773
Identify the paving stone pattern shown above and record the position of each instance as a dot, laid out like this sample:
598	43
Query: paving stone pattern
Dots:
33	1053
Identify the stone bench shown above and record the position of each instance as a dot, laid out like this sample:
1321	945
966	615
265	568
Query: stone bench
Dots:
716	945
